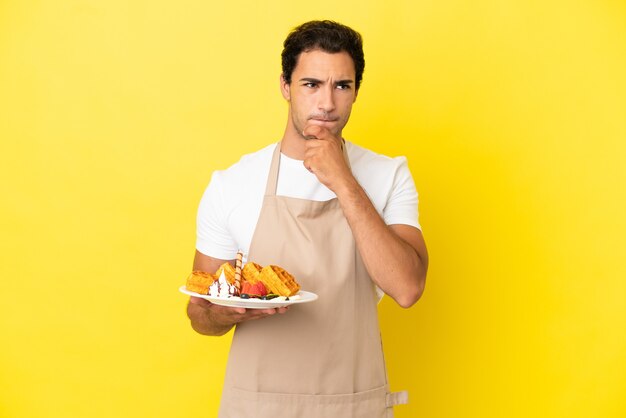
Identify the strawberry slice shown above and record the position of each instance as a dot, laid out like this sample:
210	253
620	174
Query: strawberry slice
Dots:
254	290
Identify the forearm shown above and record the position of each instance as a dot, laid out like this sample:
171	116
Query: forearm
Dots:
211	319
204	322
394	256
393	264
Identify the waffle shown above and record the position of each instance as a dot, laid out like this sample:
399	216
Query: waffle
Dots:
278	281
251	272
229	272
199	282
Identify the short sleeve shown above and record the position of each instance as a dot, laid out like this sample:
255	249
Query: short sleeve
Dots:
401	207
212	235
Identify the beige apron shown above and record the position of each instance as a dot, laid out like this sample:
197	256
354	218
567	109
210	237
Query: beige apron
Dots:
320	359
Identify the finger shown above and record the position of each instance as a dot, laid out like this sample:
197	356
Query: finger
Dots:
268	311
254	314
314	132
313	143
307	165
318	136
199	301
264	312
229	310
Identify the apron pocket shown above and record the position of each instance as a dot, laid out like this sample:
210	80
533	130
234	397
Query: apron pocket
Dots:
239	403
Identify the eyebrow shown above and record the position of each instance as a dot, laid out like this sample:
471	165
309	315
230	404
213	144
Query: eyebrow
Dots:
315	80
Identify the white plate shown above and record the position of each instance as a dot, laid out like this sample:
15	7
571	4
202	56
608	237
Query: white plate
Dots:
237	302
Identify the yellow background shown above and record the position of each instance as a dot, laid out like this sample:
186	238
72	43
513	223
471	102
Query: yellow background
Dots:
113	114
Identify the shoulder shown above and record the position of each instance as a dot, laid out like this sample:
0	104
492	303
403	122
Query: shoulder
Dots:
388	183
366	163
248	165
243	180
245	173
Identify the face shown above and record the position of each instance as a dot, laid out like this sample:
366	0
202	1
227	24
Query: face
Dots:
321	92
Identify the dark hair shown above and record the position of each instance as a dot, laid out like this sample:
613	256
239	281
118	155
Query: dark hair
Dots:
329	36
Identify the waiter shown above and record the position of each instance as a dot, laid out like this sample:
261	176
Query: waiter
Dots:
342	219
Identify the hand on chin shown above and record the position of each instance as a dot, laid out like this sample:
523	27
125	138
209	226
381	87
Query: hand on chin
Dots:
316	130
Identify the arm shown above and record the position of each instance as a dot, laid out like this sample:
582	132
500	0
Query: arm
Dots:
210	319
395	256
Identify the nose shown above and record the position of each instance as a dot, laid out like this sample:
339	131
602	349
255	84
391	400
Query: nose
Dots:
327	99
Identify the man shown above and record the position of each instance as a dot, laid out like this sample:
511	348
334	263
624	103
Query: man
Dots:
340	218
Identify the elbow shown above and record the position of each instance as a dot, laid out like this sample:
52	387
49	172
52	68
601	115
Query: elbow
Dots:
202	323
411	295
203	330
192	314
197	320
408	300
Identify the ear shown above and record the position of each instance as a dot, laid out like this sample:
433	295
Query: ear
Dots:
285	88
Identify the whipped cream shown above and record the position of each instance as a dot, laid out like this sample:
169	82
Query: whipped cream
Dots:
221	288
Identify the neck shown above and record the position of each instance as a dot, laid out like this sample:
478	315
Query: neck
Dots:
293	146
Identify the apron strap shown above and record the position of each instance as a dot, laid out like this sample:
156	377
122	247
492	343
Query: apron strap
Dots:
272	179
397	398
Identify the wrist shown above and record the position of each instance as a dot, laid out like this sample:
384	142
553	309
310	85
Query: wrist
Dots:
347	188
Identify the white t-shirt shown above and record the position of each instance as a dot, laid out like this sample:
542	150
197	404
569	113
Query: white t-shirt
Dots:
231	204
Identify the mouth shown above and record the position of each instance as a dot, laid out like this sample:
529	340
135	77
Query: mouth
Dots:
322	121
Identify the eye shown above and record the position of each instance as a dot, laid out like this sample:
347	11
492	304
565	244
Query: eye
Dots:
343	86
310	84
